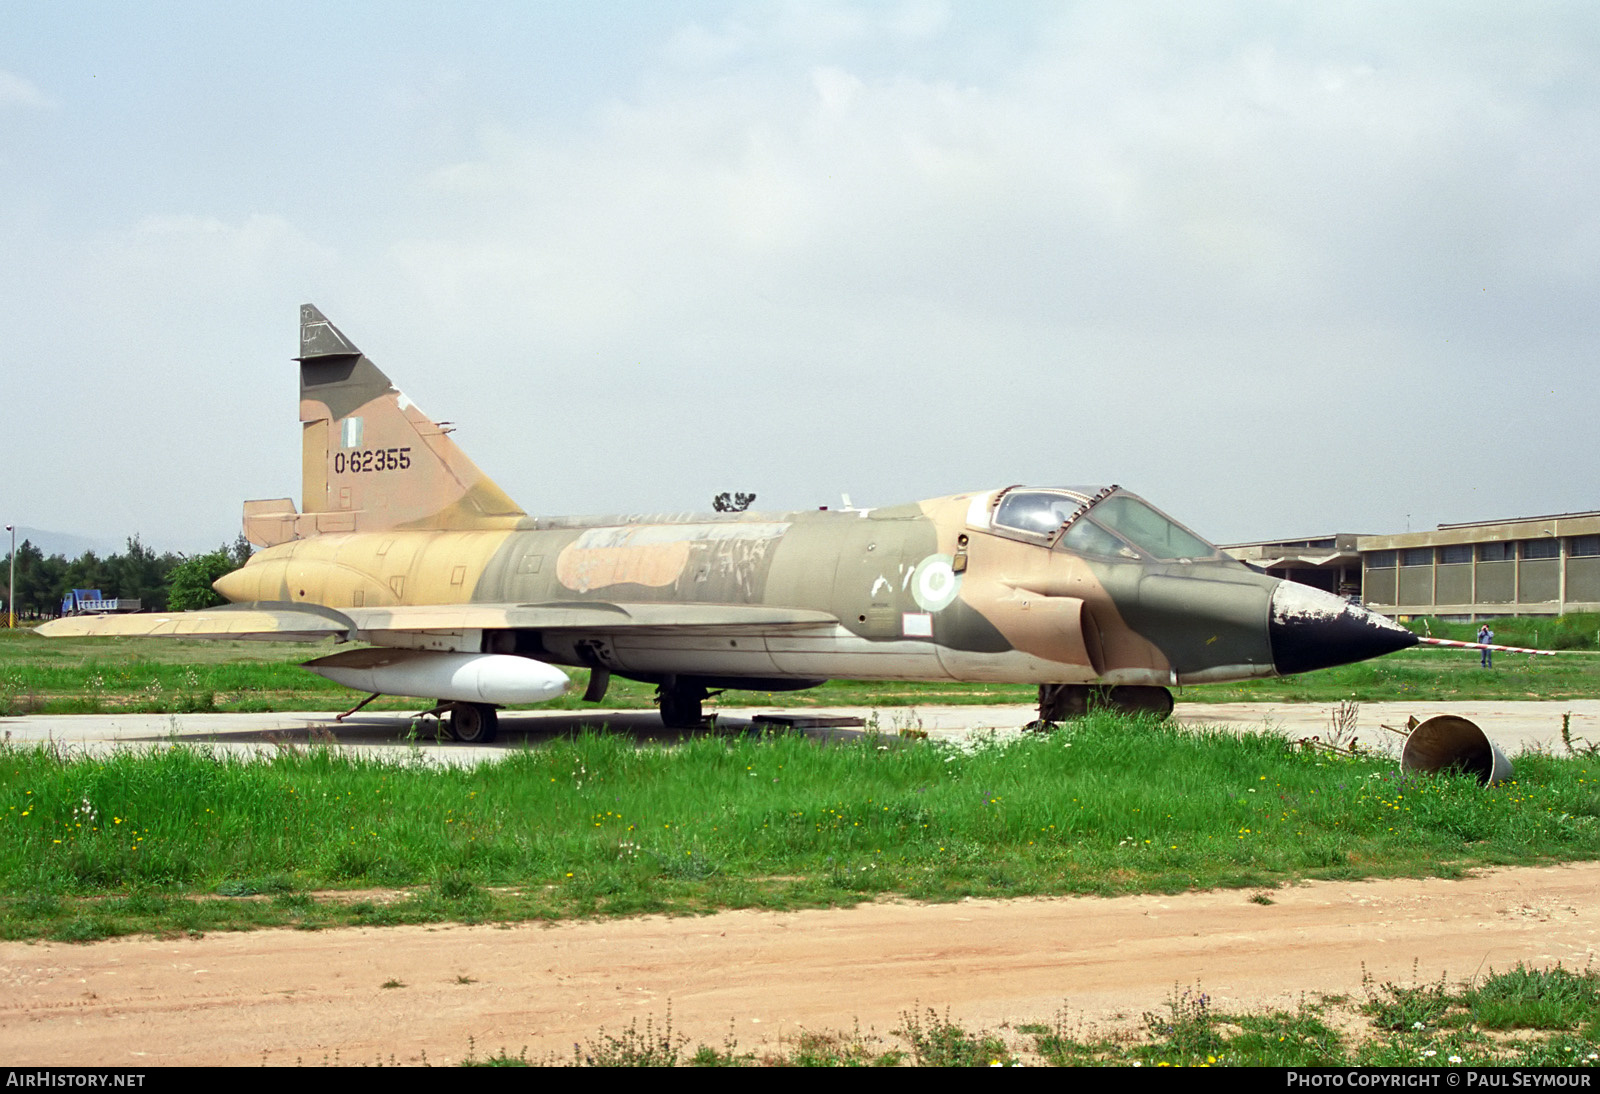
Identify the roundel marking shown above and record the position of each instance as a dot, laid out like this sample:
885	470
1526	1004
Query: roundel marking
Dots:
934	584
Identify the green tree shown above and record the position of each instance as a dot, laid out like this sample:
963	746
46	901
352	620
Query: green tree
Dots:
140	572
29	562
190	581
40	581
88	571
46	585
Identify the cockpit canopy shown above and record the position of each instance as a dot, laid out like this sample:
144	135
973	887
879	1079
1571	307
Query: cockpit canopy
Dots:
1107	522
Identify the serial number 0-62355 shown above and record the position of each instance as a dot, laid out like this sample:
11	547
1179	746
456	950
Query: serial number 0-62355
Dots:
372	459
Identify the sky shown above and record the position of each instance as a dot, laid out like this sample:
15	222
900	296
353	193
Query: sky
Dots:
1280	268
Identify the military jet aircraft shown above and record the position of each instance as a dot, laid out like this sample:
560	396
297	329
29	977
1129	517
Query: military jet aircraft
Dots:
404	545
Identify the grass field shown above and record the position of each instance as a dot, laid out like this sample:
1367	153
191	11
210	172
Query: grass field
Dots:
154	675
597	825
181	840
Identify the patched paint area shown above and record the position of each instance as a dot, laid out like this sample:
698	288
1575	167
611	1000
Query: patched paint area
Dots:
654	566
978	509
1294	602
730	558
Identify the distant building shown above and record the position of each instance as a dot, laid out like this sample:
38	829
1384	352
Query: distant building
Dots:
1531	566
1331	563
1528	566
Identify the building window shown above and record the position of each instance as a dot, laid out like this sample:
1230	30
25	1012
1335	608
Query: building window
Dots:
1583	546
1495	552
1456	552
1541	548
1380	560
1417	556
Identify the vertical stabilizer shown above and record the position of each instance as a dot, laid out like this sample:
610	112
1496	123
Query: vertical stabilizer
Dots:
370	459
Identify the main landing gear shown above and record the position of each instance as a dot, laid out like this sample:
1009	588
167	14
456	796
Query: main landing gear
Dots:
474	723
469	723
1059	702
680	704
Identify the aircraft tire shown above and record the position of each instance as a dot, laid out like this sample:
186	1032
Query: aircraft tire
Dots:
1059	702
1136	699
474	723
680	707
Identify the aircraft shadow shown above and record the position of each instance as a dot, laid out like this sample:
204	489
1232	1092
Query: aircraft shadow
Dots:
517	729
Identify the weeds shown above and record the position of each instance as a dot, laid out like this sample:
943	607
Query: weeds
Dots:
502	1058
653	1046
1343	723
1189	1030
831	1049
728	1055
938	1042
1414	1008
1579	746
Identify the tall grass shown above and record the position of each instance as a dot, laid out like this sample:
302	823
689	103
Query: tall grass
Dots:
597	824
1574	631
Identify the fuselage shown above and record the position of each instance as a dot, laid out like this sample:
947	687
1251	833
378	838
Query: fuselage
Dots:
1020	585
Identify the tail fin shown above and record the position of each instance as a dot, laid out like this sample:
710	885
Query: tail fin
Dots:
370	460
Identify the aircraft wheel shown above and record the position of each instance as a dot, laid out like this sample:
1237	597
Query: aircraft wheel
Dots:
1058	702
1136	699
474	723
680	707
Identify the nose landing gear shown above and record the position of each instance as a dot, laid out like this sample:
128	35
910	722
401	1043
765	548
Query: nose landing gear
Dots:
1059	702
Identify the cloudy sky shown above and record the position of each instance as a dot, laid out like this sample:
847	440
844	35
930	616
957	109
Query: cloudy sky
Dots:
1281	268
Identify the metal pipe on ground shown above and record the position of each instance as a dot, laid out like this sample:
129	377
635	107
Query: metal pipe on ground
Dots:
1448	741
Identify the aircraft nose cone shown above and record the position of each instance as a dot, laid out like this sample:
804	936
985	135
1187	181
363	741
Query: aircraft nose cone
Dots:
1311	629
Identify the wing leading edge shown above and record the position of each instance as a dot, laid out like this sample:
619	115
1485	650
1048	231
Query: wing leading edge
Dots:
295	622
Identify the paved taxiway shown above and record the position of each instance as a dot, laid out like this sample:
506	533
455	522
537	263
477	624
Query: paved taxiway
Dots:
1514	726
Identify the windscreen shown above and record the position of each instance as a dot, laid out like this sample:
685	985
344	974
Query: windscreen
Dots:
1085	537
1148	530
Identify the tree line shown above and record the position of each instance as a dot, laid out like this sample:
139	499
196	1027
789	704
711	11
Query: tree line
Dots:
165	582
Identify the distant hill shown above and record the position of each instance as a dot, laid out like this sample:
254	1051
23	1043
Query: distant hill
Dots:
60	543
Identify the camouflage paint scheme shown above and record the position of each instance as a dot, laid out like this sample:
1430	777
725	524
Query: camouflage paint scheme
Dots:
403	542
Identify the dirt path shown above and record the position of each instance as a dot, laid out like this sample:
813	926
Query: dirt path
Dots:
319	997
